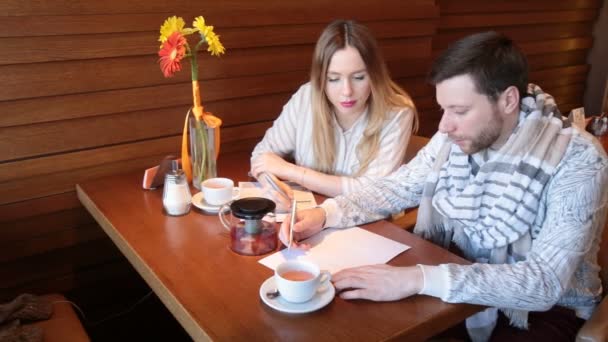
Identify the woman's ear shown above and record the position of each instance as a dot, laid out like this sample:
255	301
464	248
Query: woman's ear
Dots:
509	100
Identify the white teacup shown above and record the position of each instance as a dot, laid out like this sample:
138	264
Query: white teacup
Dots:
217	191
298	281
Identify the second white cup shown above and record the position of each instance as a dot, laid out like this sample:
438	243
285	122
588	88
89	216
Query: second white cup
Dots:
217	191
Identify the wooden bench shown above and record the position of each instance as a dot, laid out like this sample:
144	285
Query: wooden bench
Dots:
64	325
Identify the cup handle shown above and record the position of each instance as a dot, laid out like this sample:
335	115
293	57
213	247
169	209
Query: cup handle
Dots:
324	280
223	209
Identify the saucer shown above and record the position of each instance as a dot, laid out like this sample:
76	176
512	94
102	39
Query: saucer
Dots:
198	200
321	299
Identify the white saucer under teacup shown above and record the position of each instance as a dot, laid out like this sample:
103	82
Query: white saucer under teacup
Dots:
198	200
323	297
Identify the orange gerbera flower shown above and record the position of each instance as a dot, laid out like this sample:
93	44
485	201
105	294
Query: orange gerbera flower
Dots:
171	54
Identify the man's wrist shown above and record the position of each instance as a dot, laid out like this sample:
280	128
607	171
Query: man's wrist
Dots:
332	213
324	215
436	280
420	279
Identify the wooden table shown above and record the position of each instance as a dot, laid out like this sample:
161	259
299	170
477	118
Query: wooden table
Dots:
213	292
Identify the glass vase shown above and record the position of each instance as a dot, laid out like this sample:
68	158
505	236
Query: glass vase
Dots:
202	150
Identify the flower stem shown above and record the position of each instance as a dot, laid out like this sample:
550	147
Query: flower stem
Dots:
193	61
201	158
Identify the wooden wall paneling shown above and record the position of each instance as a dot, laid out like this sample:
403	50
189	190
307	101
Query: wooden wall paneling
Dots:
472	6
84	76
30	141
549	46
416	87
574	57
524	33
556	45
70	47
61	182
145	42
481	20
417	47
30	24
559	76
35	110
428	113
44	205
408	67
21	189
577	81
568	97
41	168
67	237
65	162
106	45
224	12
44	224
38	80
286	35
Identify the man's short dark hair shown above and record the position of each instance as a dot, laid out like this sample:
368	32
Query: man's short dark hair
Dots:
490	58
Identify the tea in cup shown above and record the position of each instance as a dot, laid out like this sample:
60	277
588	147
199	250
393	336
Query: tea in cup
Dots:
217	191
298	281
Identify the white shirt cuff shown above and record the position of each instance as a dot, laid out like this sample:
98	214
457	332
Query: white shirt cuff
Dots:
333	214
435	281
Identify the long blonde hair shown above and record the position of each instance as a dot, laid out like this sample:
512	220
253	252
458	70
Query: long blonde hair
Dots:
385	95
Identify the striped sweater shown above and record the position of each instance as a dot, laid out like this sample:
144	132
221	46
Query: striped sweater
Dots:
291	135
560	268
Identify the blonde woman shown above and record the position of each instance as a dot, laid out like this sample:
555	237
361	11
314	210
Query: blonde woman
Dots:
346	127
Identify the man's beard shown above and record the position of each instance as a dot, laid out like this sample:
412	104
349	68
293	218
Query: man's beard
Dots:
488	135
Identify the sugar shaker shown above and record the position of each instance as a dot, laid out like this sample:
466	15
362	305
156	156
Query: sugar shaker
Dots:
176	192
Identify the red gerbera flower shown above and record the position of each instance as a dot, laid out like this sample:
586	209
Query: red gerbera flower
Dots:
171	54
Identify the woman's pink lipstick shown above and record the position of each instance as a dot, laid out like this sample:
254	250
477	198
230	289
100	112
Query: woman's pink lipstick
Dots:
348	104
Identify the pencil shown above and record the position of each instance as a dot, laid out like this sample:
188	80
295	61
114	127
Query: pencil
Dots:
292	222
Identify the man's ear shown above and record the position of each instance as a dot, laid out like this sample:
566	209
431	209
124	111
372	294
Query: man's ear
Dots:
509	100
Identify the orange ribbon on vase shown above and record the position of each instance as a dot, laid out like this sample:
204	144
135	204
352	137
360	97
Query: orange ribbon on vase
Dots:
210	121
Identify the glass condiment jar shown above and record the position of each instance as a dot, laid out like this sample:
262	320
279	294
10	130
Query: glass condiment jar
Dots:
176	193
249	234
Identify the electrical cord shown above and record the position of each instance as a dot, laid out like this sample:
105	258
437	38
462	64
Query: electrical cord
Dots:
110	317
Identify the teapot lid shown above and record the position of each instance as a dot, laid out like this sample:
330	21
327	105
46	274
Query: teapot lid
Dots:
252	208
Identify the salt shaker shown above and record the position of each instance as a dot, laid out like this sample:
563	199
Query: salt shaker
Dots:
176	192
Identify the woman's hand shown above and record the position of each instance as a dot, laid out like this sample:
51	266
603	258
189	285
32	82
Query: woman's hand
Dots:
282	196
308	223
271	163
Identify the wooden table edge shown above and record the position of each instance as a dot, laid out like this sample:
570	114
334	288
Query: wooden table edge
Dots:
178	310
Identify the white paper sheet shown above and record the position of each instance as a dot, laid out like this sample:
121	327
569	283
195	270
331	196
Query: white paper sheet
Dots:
337	249
304	197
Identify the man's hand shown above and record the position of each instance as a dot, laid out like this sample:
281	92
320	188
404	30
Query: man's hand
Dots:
308	223
378	282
